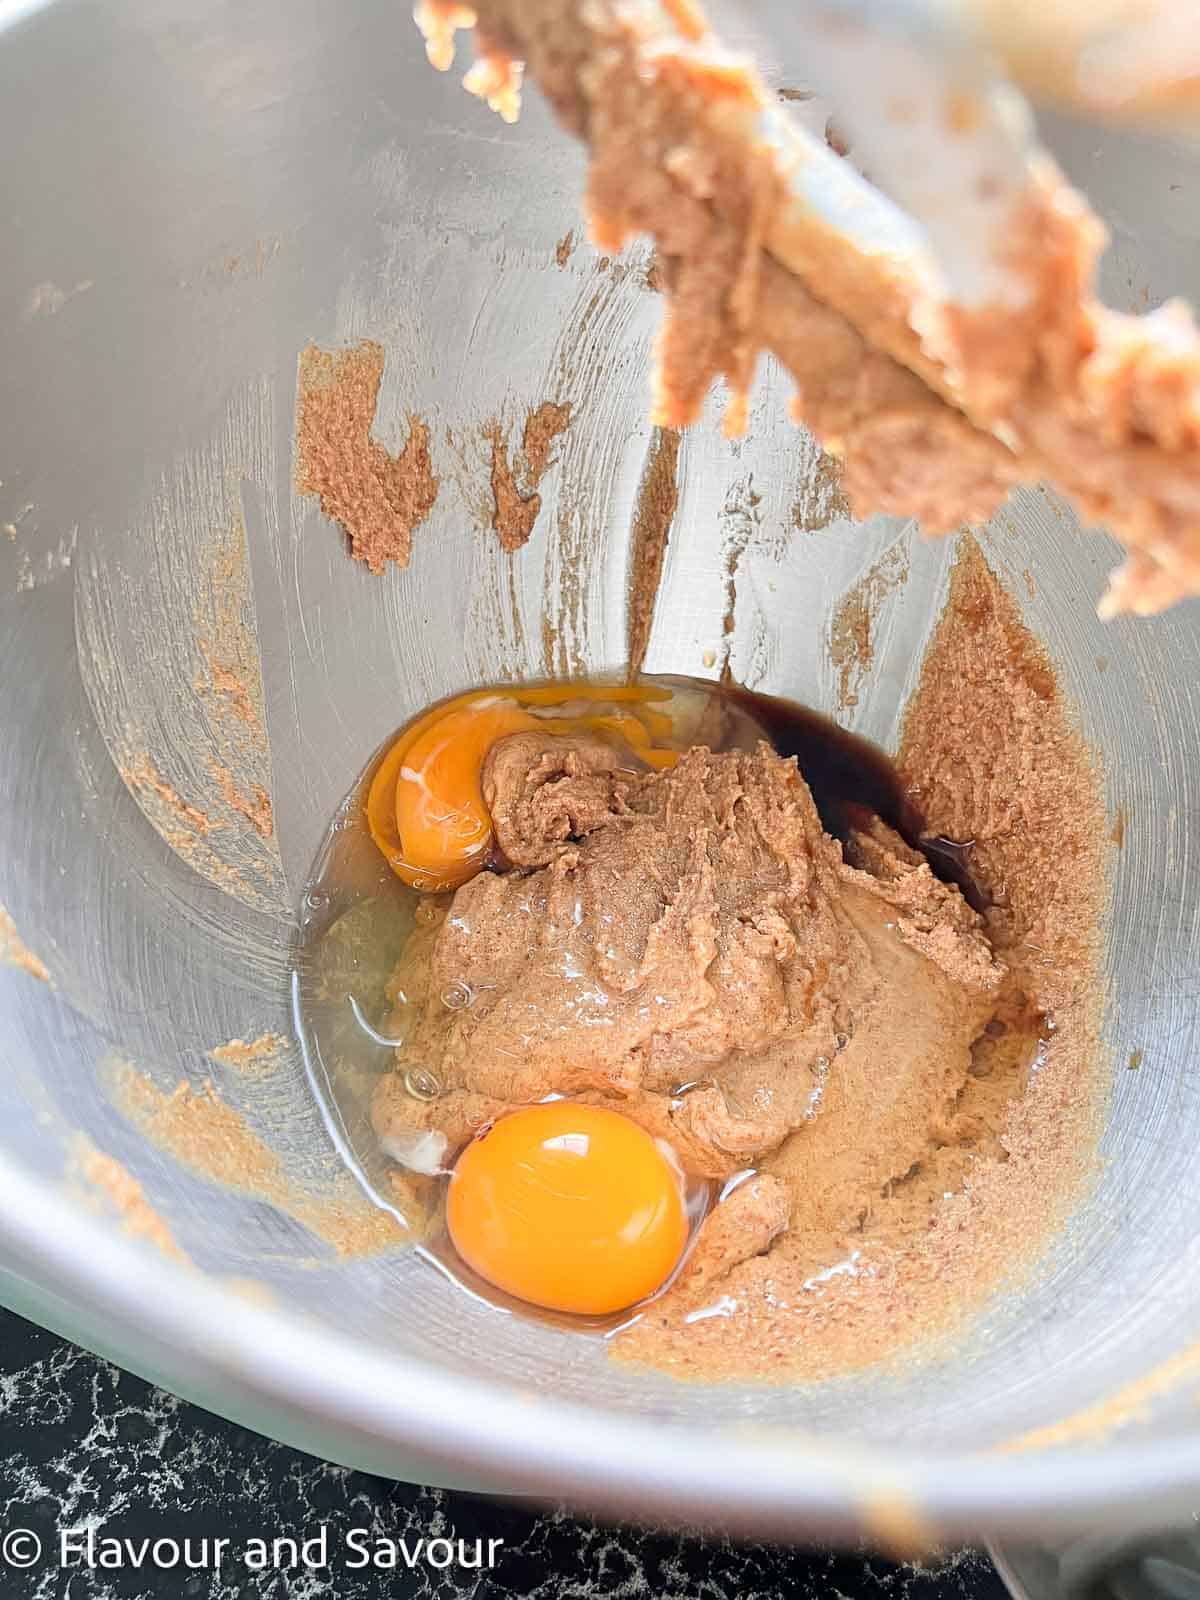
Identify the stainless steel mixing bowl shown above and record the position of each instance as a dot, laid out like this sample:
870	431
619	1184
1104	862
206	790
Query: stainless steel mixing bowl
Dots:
191	193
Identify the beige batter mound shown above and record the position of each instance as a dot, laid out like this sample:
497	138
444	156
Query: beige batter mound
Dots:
898	1083
698	929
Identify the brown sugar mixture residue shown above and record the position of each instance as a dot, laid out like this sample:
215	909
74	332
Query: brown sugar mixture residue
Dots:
658	499
200	1130
852	632
993	761
253	1056
1135	1402
185	827
123	1192
228	647
821	499
232	688
142	776
14	952
936	424
514	514
256	808
542	426
378	498
516	502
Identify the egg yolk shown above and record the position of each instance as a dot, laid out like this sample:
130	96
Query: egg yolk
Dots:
425	807
567	1206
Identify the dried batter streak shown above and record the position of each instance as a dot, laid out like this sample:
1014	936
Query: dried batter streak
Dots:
378	498
820	499
657	502
852	632
144	778
255	807
515	499
14	952
253	1057
206	1134
106	1176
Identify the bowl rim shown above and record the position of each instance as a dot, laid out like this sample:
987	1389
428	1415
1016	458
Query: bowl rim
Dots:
369	1406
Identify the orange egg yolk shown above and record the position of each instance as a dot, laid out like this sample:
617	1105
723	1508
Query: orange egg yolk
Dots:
568	1206
425	808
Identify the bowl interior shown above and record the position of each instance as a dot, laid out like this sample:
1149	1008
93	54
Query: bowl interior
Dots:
209	190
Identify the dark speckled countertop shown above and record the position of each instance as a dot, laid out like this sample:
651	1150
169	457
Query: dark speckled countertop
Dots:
83	1444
